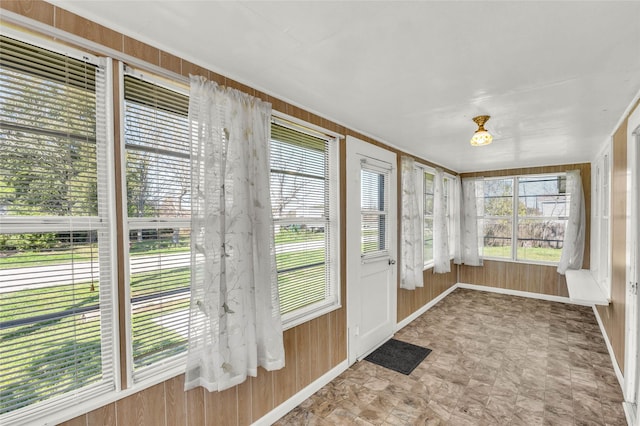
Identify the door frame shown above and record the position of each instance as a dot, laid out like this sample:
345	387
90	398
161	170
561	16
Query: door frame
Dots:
356	149
632	320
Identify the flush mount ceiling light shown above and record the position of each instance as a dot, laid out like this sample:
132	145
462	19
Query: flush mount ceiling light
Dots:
481	136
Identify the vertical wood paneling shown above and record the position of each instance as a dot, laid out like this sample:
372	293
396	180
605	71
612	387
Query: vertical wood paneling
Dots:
285	379
261	394
74	24
409	301
176	401
76	421
145	408
103	416
244	402
549	280
303	351
563	290
195	407
170	62
221	408
314	359
324	349
613	316
338	345
141	50
34	9
534	278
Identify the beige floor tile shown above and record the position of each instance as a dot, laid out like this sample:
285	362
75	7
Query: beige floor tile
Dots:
496	360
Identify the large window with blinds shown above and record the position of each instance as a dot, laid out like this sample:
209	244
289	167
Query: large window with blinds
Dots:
304	199
158	182
56	312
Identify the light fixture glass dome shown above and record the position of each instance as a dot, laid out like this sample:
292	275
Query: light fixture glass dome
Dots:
481	137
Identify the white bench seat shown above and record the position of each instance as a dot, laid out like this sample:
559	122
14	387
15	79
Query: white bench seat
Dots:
584	289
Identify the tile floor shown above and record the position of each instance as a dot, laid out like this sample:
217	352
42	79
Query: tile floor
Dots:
496	360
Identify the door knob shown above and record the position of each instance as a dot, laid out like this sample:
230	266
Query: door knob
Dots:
392	262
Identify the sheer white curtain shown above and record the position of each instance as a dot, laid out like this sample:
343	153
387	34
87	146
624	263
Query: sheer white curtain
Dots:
235	321
441	256
455	198
573	245
470	250
411	261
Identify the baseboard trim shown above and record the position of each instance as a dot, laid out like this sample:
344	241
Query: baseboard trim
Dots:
616	368
528	294
402	324
630	413
291	403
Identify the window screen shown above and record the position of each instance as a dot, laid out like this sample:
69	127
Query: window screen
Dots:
55	283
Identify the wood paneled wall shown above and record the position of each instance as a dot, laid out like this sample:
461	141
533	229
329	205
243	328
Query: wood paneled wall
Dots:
409	301
311	349
613	316
529	277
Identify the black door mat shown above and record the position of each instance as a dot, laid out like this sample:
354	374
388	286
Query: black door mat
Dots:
399	356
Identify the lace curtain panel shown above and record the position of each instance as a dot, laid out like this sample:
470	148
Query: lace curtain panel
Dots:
456	211
235	323
469	242
573	244
441	257
411	262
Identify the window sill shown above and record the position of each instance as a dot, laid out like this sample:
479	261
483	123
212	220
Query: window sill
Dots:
527	262
310	315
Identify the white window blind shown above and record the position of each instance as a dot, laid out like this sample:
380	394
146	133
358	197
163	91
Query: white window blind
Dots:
428	187
304	202
374	211
56	312
158	208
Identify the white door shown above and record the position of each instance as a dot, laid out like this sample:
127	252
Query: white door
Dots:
632	357
371	246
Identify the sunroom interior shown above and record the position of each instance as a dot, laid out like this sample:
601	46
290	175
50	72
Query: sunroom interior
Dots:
369	172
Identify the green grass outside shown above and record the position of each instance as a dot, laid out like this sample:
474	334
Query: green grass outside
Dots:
537	254
87	252
55	336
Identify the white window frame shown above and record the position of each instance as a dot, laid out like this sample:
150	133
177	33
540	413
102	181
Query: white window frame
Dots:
172	366
66	405
332	303
515	219
600	220
420	170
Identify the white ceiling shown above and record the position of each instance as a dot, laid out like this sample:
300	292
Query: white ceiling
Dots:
556	77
